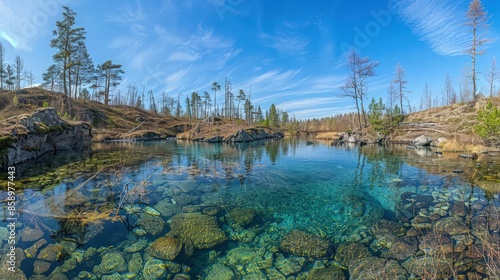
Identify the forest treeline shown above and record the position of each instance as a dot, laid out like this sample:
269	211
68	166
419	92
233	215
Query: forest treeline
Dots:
75	75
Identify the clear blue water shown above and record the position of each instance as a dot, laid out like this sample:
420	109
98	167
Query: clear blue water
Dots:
335	193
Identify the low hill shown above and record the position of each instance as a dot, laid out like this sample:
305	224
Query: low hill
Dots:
108	122
455	123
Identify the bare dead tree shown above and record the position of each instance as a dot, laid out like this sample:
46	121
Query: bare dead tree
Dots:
356	84
478	21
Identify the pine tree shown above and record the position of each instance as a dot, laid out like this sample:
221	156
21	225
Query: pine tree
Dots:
51	77
10	79
111	73
273	116
215	88
248	111
241	97
66	42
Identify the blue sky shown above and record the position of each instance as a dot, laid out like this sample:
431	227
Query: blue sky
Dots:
289	52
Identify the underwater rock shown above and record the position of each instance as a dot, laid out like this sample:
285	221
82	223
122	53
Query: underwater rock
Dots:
69	245
327	273
167	209
402	248
188	247
135	263
348	252
166	248
151	211
151	224
69	264
434	244
373	268
7	274
172	267
242	216
427	265
33	250
139	231
51	252
191	208
255	275
137	246
78	255
29	234
301	243
385	226
89	253
274	274
220	272
290	265
40	267
244	235
57	275
4	233
452	226
182	276
86	275
111	262
114	276
153	269
241	256
201	229
132	209
212	210
185	199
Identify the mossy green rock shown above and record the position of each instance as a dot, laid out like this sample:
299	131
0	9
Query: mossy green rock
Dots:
301	243
201	229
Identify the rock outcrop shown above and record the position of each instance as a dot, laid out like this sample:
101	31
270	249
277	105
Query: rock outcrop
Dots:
214	130
26	137
252	134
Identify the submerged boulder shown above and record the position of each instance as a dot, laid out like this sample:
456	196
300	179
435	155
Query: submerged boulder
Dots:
166	248
326	273
242	216
201	229
301	243
348	252
373	268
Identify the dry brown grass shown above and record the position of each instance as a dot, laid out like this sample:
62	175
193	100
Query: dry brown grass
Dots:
454	122
327	135
108	121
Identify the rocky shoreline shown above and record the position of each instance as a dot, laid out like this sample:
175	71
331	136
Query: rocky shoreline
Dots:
216	130
27	137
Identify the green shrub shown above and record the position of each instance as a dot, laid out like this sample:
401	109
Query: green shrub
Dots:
45	104
489	121
15	100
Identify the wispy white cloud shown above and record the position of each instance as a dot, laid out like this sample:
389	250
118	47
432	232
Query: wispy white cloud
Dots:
175	80
438	23
23	21
130	17
308	103
309	113
286	43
